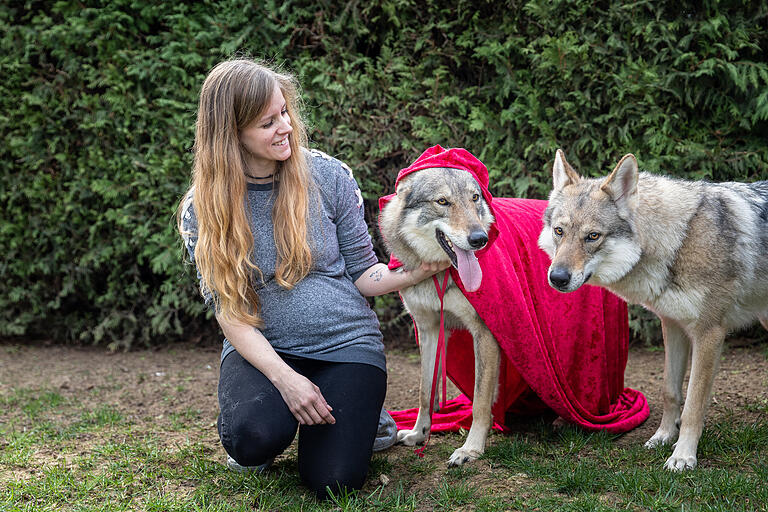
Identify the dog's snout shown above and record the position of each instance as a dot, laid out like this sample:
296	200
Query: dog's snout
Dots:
560	277
477	239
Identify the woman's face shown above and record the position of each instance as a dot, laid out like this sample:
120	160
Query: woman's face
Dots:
266	138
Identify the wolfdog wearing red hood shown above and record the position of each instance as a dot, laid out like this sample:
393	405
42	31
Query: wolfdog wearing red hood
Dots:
440	214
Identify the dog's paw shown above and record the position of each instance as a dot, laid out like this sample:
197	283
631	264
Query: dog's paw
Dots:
661	438
462	456
680	463
410	437
683	456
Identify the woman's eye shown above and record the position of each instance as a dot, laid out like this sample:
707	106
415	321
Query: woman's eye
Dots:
442	201
593	236
558	231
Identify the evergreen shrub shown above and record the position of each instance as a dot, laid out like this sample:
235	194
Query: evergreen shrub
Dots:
98	101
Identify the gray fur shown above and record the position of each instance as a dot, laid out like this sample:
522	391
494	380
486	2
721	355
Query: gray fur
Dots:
692	252
408	225
416	199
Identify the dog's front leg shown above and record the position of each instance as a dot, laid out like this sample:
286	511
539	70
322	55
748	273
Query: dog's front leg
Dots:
676	347
487	361
428	350
705	360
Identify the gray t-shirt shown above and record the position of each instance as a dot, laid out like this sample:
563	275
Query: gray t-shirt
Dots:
324	316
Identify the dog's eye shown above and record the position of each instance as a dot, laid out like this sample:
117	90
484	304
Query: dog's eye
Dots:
443	202
558	231
476	197
593	236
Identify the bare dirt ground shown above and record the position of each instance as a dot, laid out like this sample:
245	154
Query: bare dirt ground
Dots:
150	387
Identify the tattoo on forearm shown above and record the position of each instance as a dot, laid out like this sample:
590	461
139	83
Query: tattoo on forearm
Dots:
376	275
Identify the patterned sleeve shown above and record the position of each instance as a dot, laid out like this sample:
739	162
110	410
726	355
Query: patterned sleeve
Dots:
189	232
351	230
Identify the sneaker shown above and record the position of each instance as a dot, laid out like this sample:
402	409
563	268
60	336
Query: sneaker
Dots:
386	435
234	466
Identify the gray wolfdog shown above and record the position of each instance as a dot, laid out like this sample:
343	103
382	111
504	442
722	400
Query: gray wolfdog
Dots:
694	253
439	214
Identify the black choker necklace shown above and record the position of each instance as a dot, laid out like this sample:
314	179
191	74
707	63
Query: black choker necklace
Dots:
259	177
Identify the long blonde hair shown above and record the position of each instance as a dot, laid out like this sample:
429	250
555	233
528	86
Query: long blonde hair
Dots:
234	94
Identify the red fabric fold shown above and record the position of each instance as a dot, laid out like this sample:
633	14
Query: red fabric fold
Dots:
569	349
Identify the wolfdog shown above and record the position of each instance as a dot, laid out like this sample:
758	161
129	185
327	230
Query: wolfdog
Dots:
439	214
694	253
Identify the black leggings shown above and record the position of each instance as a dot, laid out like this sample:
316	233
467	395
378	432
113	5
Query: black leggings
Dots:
256	425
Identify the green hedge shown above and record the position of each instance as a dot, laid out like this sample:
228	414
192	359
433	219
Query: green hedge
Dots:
98	99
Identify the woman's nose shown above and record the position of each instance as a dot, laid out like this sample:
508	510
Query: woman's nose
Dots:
285	125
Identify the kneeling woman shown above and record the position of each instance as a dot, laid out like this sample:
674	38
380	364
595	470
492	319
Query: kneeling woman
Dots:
283	253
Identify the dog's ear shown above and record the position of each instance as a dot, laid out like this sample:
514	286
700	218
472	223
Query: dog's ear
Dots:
403	186
621	185
403	191
562	172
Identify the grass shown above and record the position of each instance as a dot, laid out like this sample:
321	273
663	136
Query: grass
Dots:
58	454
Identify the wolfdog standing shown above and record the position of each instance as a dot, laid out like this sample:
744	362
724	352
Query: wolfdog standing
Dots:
439	214
694	253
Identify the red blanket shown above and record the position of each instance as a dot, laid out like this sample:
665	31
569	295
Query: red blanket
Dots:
567	351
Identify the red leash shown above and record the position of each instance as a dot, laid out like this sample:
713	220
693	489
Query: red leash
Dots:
440	356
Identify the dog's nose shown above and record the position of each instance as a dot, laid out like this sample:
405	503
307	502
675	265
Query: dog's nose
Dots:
560	277
477	239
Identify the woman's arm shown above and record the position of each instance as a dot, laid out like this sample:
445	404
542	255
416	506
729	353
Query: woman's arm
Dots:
379	280
303	398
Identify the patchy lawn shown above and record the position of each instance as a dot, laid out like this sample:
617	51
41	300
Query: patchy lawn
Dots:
84	429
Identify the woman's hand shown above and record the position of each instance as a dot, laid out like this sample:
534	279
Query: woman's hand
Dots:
427	269
304	399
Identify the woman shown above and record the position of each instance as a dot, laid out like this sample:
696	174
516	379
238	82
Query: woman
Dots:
284	256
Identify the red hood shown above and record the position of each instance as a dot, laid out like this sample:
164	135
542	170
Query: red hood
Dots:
454	158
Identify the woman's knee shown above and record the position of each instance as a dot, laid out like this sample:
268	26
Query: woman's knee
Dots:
252	442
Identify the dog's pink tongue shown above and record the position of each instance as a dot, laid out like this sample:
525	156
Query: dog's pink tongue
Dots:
469	269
